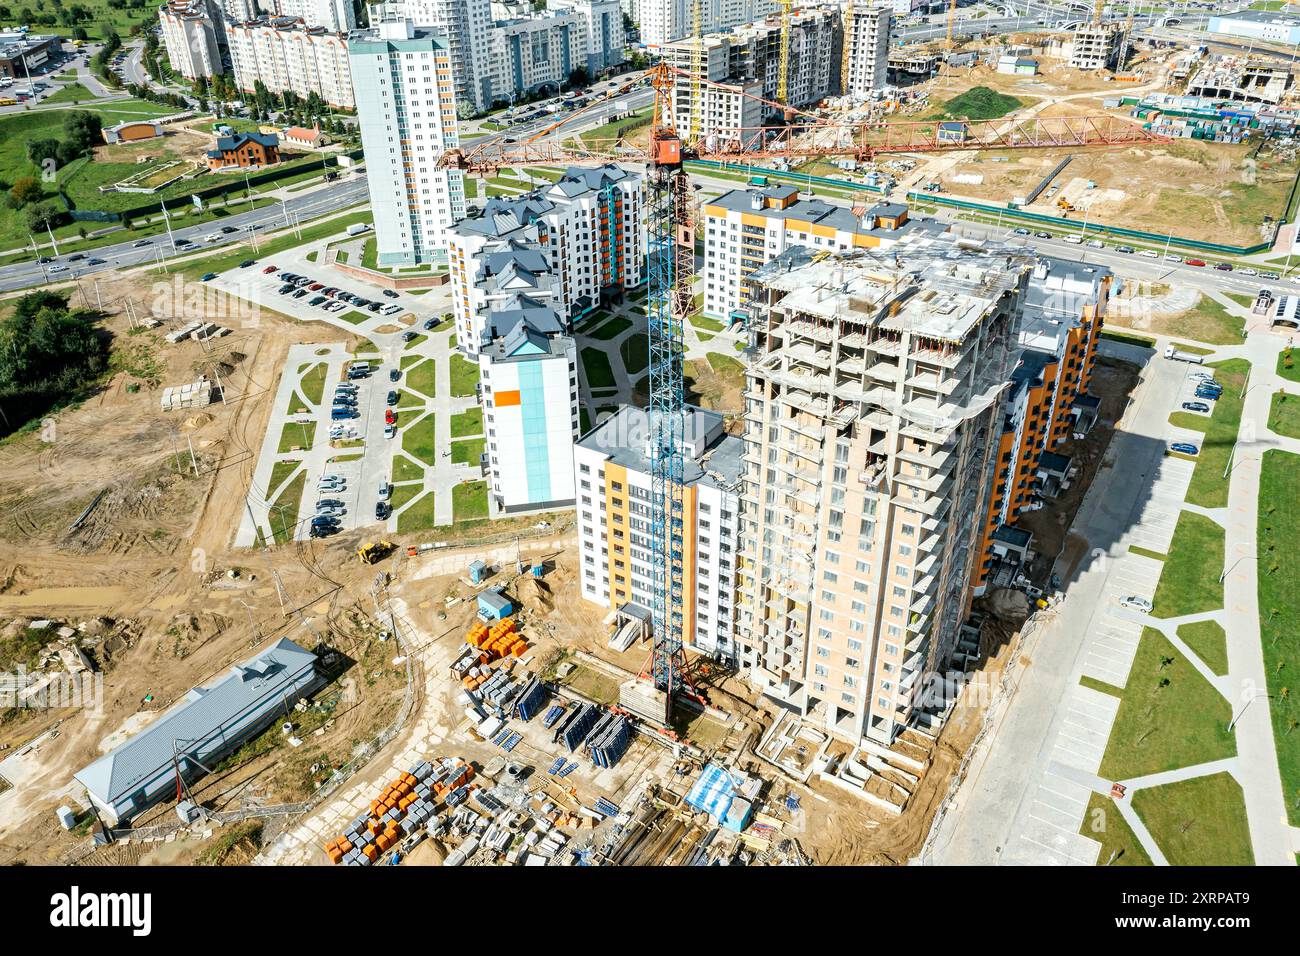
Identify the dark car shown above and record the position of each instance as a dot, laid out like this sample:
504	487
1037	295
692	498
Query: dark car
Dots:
285	289
1195	407
429	324
391	399
299	293
374	306
408	336
395	375
208	277
227	230
76	257
1022	231
382	511
390	293
1042	235
247	262
141	243
1127	250
317	300
45	259
1223	266
1184	448
97	262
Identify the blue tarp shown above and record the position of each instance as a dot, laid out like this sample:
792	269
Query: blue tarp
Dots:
713	792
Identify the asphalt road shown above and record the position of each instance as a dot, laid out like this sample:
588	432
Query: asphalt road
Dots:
123	255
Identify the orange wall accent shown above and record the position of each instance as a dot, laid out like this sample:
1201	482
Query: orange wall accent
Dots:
506	399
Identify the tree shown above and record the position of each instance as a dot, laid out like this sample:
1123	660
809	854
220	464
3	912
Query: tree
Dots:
41	216
79	33
26	190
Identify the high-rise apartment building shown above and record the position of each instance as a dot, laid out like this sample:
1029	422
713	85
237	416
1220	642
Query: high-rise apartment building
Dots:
406	103
746	228
663	21
587	226
336	16
613	484
287	55
867	37
191	36
747	62
603	22
1047	404
871	419
465	25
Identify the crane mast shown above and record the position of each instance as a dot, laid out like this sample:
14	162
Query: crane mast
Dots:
848	45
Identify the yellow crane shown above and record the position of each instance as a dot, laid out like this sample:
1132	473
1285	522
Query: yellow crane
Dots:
783	71
698	67
952	18
848	45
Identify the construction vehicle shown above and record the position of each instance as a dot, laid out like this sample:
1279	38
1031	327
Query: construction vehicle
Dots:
670	222
373	551
1065	204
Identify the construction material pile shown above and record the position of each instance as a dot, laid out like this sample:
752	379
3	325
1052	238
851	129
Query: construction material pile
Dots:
531	699
609	740
406	804
573	730
486	646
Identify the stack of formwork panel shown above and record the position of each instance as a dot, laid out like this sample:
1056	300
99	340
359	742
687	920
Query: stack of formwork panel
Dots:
575	728
609	740
531	699
498	693
407	803
190	395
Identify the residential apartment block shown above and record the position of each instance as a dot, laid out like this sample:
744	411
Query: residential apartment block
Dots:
1046	405
613	484
464	24
867	38
335	16
746	228
191	34
406	104
663	21
747	60
529	385
606	38
288	55
585	229
871	422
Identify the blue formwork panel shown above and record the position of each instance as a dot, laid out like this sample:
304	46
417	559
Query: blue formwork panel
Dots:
567	770
552	715
555	767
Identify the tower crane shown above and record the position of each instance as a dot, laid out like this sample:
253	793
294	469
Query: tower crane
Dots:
783	66
670	271
952	17
849	27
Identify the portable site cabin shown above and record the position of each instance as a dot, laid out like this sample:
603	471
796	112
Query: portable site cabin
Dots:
208	725
493	605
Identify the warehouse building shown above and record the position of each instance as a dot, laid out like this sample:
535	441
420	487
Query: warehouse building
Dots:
209	724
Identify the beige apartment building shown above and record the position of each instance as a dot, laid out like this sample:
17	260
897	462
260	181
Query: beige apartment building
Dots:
872	413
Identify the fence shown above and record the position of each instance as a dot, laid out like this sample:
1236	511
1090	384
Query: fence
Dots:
792	177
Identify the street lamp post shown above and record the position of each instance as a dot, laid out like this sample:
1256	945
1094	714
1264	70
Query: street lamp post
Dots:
1228	570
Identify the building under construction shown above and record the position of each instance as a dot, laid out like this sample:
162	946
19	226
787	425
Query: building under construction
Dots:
871	414
1096	46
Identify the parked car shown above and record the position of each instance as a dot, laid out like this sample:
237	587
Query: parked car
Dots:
395	375
247	262
390	293
1195	407
316	286
1042	235
1198	263
1223	266
392	398
390	417
208	277
382	511
390	431
1149	254
1137	603
317	300
429	324
1127	250
284	289
268	270
408	336
299	293
1184	448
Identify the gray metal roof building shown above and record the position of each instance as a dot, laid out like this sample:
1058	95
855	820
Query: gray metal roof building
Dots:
209	724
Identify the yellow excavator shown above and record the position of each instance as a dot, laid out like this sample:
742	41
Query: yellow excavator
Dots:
373	551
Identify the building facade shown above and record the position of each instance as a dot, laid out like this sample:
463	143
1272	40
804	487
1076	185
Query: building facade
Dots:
867	61
465	25
603	22
870	415
334	16
245	150
663	21
191	35
613	484
585	229
747	228
287	55
405	96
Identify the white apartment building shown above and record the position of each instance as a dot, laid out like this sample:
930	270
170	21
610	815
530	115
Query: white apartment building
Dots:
406	103
868	42
586	226
191	34
663	21
289	56
747	228
529	377
335	16
465	24
535	53
872	416
613	484
606	39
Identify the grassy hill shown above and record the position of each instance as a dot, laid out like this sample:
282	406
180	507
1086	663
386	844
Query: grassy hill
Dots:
979	103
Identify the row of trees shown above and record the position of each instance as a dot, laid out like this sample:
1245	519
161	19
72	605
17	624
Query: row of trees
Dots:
81	133
49	355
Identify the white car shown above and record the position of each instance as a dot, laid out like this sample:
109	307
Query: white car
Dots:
1137	603
212	238
1173	258
1074	240
1096	244
1148	254
1247	272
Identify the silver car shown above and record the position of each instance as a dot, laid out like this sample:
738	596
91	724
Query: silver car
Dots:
1137	603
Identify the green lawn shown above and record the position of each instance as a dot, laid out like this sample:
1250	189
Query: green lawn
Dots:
1198	822
418	440
407	399
1193	420
1279	608
611	329
283	515
420	516
1284	414
406	470
1119	846
423	377
280	471
402	494
1189	583
636	353
1208	321
979	103
467	423
414	343
468	451
297	434
469	501
353	316
707	324
1128	338
1209	642
1182	723
464	376
1208	487
268	248
596	364
313	383
70	93
1287	367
